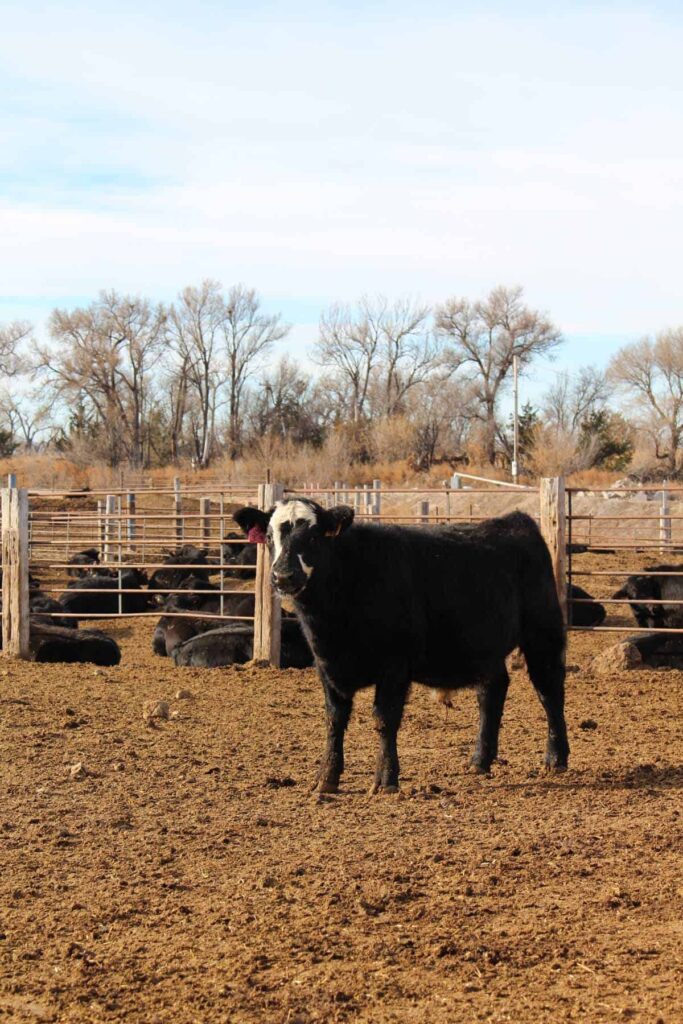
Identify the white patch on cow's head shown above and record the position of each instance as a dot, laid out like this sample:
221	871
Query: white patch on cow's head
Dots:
290	512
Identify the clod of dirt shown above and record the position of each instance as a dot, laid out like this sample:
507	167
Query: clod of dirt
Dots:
617	658
184	695
588	723
155	710
78	771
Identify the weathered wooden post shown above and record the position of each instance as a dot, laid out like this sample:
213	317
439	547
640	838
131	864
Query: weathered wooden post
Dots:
267	611
109	529
424	512
377	505
177	508
100	524
205	518
130	520
15	608
553	528
664	521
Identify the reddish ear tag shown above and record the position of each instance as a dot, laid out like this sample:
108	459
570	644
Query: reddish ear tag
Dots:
256	535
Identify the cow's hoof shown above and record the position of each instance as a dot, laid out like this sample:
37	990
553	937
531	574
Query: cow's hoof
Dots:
555	765
480	767
377	787
326	786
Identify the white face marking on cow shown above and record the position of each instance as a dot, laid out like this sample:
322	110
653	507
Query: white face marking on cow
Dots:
289	512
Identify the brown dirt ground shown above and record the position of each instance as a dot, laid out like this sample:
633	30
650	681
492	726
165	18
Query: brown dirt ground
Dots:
192	876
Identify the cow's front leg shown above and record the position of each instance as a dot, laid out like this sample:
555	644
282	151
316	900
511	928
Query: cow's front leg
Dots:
390	698
337	713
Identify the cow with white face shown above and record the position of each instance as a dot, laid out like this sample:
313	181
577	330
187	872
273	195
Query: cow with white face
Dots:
384	606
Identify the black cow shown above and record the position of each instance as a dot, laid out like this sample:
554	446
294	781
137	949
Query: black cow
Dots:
641	589
386	605
243	554
103	600
592	614
89	557
234	644
53	643
163	580
172	630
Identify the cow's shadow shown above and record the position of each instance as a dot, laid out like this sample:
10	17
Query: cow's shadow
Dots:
643	777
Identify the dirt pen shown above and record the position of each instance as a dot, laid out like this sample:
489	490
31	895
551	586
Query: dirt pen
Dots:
186	873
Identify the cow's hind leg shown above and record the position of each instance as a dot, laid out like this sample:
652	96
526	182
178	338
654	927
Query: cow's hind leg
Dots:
390	698
337	712
545	664
491	695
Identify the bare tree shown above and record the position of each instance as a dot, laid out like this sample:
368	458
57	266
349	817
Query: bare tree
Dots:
484	338
247	336
349	346
194	324
573	397
650	372
103	356
13	337
26	420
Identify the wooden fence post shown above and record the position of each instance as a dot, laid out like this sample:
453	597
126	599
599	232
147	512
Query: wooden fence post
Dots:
177	508
377	488
15	607
109	531
100	525
424	512
664	521
553	528
205	520
130	523
267	610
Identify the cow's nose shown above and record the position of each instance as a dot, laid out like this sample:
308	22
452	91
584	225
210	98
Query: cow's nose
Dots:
281	576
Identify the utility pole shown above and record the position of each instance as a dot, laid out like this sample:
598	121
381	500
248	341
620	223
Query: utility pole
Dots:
515	420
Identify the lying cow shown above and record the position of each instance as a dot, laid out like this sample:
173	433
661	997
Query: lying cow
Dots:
184	560
234	644
172	630
94	594
53	643
88	558
640	589
385	605
592	614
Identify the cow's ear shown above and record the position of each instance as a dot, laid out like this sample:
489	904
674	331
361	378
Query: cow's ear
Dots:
335	520
249	518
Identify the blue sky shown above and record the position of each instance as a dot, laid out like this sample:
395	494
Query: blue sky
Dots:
318	152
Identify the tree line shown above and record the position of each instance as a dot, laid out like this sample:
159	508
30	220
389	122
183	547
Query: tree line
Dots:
134	382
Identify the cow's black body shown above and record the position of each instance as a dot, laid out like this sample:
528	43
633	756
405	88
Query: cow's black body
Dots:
88	558
641	589
53	643
172	630
102	600
163	580
585	614
234	644
385	606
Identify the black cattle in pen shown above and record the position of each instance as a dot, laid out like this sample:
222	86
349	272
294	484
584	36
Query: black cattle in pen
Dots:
184	562
83	561
234	644
243	554
50	643
639	590
385	606
172	630
592	614
96	595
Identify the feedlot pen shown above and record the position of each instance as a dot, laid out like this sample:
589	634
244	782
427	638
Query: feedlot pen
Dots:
186	874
